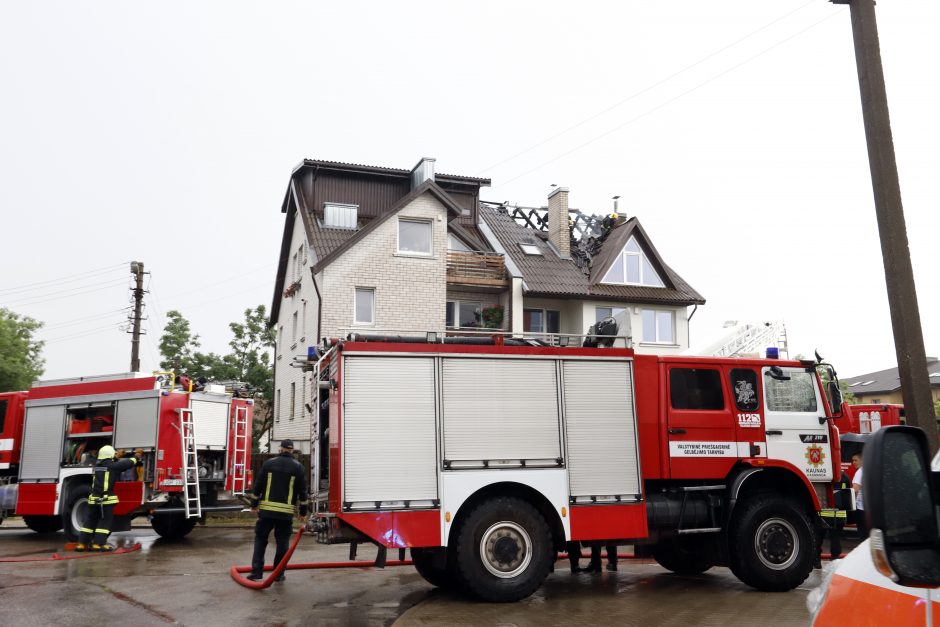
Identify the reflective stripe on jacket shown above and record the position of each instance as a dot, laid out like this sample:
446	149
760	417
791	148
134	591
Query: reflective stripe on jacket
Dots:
280	485
106	473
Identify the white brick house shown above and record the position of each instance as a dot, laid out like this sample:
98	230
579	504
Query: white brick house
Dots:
364	248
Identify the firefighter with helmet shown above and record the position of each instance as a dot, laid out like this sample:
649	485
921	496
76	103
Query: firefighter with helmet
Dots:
94	533
279	486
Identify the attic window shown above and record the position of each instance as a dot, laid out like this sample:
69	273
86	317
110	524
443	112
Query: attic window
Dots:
633	267
530	249
336	216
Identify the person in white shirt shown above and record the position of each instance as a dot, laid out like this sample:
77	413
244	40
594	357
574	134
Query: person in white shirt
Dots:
861	523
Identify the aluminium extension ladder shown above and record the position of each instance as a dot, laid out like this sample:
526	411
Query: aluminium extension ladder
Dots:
191	500
240	451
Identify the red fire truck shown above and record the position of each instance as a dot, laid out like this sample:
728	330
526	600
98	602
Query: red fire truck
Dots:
485	457
196	445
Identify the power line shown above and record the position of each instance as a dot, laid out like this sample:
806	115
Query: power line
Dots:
66	279
667	102
32	300
76	321
644	90
86	333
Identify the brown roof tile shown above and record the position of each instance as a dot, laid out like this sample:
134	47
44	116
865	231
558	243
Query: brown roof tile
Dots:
550	275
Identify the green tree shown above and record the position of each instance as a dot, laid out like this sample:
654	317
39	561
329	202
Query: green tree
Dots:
21	360
249	364
178	344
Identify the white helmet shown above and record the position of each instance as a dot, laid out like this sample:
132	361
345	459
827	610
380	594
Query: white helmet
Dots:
106	452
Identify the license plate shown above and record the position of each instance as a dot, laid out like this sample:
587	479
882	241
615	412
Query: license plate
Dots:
172	482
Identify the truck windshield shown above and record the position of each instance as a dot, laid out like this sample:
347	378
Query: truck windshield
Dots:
796	394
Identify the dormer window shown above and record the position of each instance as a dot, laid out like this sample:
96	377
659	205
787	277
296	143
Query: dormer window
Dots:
337	216
632	267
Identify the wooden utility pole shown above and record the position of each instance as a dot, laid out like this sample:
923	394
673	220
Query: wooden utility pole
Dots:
137	269
899	275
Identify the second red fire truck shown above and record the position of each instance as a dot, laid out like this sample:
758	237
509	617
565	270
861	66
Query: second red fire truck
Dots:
196	450
486	457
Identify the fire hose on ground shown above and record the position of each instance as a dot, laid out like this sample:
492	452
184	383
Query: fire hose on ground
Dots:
275	571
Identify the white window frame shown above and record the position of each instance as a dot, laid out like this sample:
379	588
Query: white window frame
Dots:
531	250
417	253
339	208
277	406
641	257
544	319
656	334
457	304
293	398
614	311
356	320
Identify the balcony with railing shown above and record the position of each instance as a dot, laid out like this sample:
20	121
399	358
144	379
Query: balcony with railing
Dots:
476	269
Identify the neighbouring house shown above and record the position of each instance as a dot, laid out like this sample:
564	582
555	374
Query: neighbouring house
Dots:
570	270
389	250
884	386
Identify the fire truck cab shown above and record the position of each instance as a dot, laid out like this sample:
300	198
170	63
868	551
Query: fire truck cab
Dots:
196	451
486	457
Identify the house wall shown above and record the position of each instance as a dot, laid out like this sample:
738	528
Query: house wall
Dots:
588	312
294	422
887	398
410	291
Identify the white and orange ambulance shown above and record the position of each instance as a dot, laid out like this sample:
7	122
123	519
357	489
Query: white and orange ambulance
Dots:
893	578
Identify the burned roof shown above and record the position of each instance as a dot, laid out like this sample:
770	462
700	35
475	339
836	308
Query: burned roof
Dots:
548	274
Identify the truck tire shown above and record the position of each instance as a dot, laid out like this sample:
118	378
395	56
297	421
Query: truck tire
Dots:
683	556
432	566
43	524
172	526
76	510
504	550
772	543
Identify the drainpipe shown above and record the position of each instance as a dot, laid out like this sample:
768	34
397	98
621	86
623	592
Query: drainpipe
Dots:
688	326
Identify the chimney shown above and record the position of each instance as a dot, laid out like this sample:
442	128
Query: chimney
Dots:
422	172
558	232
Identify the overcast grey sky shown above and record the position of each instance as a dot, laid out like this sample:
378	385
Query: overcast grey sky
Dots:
166	132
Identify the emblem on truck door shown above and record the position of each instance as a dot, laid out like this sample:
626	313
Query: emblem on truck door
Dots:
815	455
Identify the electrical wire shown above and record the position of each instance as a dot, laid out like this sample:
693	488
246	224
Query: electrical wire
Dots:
71	278
78	321
665	103
645	89
67	293
86	333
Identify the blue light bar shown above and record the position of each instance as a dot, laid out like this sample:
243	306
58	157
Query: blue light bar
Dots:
773	352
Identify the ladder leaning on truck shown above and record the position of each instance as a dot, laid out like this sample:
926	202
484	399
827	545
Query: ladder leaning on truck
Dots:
484	456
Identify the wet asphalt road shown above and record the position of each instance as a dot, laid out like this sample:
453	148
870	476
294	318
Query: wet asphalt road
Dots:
187	583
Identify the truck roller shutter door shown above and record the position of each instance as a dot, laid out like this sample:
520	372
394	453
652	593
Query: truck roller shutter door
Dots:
500	410
389	437
210	420
42	442
135	425
601	428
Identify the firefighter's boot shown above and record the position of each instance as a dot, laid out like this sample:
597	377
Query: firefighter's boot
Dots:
80	547
103	548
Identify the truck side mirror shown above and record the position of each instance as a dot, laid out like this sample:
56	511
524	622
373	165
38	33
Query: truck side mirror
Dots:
902	506
835	399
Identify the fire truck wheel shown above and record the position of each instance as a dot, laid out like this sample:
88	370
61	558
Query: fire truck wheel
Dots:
683	556
172	526
432	565
504	550
43	524
75	511
772	547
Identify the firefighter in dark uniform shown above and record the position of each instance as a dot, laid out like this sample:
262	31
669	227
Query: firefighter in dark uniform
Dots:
835	519
93	536
280	485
